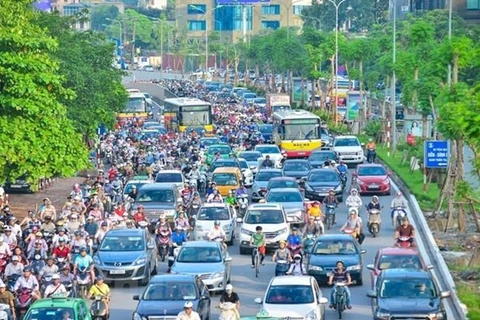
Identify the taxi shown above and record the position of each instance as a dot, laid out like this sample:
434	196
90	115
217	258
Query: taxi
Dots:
59	308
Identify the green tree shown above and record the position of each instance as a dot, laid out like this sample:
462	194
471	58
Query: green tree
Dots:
37	137
100	15
86	62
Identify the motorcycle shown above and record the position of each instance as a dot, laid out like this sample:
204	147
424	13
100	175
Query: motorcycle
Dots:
404	242
61	262
176	251
374	221
70	290
83	282
11	282
281	267
3	311
308	243
320	225
143	224
163	240
228	311
242	201
23	301
45	281
343	178
294	249
37	264
398	214
98	309
340	298
330	215
371	155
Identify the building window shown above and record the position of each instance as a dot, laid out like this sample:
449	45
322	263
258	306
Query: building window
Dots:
230	18
196	25
196	9
473	4
270	24
70	11
298	9
271	9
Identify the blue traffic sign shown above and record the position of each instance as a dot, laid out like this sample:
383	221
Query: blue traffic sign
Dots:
437	153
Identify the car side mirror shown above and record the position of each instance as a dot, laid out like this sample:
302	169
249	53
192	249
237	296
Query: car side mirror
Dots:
306	199
354	173
323	300
362	144
370	267
136	297
363	251
239	220
228	259
445	294
258	300
429	267
371	294
389	173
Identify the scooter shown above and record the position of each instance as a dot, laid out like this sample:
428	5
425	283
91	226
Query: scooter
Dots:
242	201
371	155
398	214
320	225
228	311
61	262
163	240
23	301
374	221
69	287
340	298
330	215
281	267
46	281
11	282
294	249
83	282
308	243
98	310
404	242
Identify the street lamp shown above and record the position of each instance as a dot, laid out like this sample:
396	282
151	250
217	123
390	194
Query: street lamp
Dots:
313	18
288	16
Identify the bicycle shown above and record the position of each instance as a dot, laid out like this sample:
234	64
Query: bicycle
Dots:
256	261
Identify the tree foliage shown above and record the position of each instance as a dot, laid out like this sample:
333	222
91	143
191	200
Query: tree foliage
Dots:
38	138
100	15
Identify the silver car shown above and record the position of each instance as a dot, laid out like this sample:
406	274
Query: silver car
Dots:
206	217
292	201
259	188
207	259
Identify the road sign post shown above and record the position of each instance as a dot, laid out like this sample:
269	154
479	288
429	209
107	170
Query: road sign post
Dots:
436	156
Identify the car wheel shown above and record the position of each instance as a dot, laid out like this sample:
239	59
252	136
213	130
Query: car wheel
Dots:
147	278
230	243
155	269
243	251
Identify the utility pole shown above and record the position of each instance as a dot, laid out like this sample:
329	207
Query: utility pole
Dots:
394	80
133	42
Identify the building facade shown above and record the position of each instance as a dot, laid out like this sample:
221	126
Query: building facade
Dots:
467	9
237	22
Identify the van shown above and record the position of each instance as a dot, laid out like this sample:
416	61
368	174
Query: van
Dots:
226	179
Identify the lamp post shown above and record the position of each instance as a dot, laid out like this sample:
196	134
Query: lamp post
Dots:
288	16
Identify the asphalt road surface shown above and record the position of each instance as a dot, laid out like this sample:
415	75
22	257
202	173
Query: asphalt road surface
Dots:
248	287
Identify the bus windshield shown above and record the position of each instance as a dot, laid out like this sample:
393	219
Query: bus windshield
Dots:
195	116
300	132
136	105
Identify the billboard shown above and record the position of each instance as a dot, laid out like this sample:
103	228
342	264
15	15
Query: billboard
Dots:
43	5
353	104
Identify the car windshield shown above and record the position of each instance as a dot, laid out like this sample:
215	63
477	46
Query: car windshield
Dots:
156	196
213	213
260	100
129	187
371	171
296	166
151	134
199	255
49	313
150	124
290	294
276	184
170	291
264	217
122	243
220	149
243	164
265	129
336	247
250	156
348	142
410	288
209	142
284	197
163	177
267	149
249	95
266	176
225	179
323	177
411	261
322	156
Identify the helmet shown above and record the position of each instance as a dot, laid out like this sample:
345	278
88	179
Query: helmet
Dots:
61	240
282	242
104	224
297	256
188	305
229	287
27	269
77	233
66	267
217	223
38	234
55	277
353	210
15	258
61	229
7	228
83	249
51	258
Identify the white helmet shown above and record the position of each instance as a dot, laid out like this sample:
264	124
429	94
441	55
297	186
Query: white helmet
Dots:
188	304
229	287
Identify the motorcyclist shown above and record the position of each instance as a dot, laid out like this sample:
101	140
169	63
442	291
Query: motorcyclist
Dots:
282	253
405	230
398	201
371	146
230	296
215	197
188	313
78	242
195	174
231	199
101	289
267	163
311	227
48	225
65	275
342	167
297	268
61	235
177	239
241	191
9	237
14	267
50	268
217	232
139	215
374	204
294	240
258	241
182	221
315	210
27	280
354	200
284	158
353	223
340	274
133	193
61	251
56	288
331	199
84	261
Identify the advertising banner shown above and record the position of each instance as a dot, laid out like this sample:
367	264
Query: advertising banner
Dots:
353	105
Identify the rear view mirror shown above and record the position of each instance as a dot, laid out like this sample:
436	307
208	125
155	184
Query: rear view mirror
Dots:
258	300
445	294
371	294
363	251
136	297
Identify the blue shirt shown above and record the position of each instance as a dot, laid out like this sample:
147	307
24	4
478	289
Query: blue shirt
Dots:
178	237
241	191
342	168
84	262
294	240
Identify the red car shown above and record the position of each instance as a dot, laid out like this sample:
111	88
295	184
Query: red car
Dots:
372	178
399	258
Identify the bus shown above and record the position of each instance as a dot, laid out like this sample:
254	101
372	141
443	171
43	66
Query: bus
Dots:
136	106
182	114
297	132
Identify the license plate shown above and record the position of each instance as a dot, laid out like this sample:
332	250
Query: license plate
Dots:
374	186
117	271
15	186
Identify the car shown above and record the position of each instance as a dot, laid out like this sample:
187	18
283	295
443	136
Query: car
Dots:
209	141
284	182
148	124
53	308
171	176
223	149
294	297
126	255
291	200
318	157
223	163
246	171
159	128
330	248
259	188
206	217
158	199
207	259
407	294
151	133
273	220
325	137
349	149
261	102
296	168
19	185
270	150
320	181
165	296
266	131
252	159
149	68
395	258
137	183
248	97
372	179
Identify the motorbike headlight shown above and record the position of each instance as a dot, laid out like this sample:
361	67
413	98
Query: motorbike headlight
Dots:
312	315
140	261
96	260
245	231
136	316
355	267
218	275
315	268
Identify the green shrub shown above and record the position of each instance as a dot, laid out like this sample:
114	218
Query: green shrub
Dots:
372	128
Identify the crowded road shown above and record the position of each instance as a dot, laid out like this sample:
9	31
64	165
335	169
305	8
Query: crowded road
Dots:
248	287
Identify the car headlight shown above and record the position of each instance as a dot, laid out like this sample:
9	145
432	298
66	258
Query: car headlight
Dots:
360	153
280	232
311	316
355	267
136	316
315	268
383	315
438	315
338	188
386	181
245	231
140	261
360	181
218	275
96	260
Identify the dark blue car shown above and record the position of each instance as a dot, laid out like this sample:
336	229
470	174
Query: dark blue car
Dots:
267	132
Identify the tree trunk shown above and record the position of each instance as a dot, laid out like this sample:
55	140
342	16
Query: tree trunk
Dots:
460	175
257	73
362	109
434	115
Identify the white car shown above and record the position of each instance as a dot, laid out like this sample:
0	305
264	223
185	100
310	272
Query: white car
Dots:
273	220
247	172
349	149
206	217
171	176
294	297
270	150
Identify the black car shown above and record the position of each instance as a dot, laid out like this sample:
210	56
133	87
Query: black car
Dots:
296	168
318	157
18	185
407	294
330	248
165	296
320	181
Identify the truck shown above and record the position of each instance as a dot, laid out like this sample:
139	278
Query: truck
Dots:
277	102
